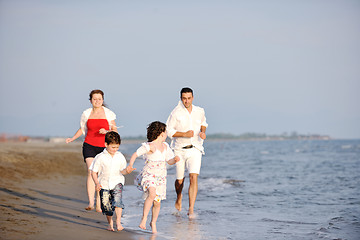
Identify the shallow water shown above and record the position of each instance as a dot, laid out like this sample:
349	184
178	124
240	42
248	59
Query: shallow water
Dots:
264	190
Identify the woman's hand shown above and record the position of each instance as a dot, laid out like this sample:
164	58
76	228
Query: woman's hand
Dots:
69	140
103	131
176	159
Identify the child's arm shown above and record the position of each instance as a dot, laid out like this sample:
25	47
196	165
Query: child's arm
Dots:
173	160
94	176
130	168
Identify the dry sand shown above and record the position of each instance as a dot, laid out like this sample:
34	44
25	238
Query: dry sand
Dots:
43	195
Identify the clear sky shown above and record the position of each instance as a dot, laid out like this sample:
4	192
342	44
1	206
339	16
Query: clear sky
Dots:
255	66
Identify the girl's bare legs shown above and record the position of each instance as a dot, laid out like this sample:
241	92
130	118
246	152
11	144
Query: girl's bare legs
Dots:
147	205
155	215
118	211
111	223
90	185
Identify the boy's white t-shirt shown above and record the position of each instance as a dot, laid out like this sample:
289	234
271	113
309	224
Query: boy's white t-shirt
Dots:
109	169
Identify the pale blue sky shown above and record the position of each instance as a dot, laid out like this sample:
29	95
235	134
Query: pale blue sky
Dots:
255	66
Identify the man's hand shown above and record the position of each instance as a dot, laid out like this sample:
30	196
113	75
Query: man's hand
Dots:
189	134
202	135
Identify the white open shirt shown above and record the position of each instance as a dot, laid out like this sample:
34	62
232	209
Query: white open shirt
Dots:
180	120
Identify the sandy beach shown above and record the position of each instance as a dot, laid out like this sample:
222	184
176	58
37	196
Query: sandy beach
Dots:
43	194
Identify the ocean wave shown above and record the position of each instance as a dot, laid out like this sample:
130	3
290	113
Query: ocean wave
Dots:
287	221
214	184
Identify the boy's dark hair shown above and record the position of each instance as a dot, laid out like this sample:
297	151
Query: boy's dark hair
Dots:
154	130
112	138
186	90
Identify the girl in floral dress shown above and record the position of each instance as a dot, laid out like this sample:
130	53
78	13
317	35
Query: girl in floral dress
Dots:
152	179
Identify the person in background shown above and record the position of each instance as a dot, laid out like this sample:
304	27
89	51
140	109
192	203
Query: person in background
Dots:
95	122
186	127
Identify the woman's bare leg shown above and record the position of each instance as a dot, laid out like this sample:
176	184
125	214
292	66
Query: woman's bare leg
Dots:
98	201
90	185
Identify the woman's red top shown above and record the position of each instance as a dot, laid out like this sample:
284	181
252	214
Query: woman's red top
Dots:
93	137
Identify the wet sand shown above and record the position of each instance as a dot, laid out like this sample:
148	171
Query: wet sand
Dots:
43	195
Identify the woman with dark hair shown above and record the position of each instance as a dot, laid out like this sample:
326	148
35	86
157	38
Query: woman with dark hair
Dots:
95	122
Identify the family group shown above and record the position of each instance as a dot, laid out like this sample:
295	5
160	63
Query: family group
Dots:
185	126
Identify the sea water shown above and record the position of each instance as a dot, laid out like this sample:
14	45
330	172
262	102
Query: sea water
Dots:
263	190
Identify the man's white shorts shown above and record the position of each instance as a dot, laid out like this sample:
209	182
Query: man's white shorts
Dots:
189	158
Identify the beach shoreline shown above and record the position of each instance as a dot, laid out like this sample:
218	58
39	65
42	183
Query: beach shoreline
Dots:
43	194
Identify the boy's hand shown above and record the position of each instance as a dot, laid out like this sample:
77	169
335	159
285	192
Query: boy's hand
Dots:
98	187
176	159
130	169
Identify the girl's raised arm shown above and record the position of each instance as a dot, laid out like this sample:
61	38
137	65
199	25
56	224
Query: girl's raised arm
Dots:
132	159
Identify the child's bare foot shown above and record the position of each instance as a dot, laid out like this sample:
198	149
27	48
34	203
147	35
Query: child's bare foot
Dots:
191	214
98	210
111	229
143	224
178	203
88	208
153	227
119	226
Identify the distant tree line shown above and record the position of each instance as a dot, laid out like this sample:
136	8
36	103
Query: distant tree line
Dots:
263	136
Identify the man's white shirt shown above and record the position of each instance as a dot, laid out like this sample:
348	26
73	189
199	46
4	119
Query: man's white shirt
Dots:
180	120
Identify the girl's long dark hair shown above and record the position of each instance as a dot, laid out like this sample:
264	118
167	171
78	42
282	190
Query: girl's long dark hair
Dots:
154	130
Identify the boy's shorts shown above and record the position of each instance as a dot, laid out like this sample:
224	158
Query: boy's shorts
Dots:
111	199
189	158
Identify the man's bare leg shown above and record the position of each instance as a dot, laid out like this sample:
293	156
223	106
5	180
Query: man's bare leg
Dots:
179	184
193	189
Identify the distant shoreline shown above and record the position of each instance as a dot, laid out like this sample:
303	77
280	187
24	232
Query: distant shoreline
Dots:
210	137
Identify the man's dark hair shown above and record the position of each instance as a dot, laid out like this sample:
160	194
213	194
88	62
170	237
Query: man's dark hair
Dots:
112	138
186	90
